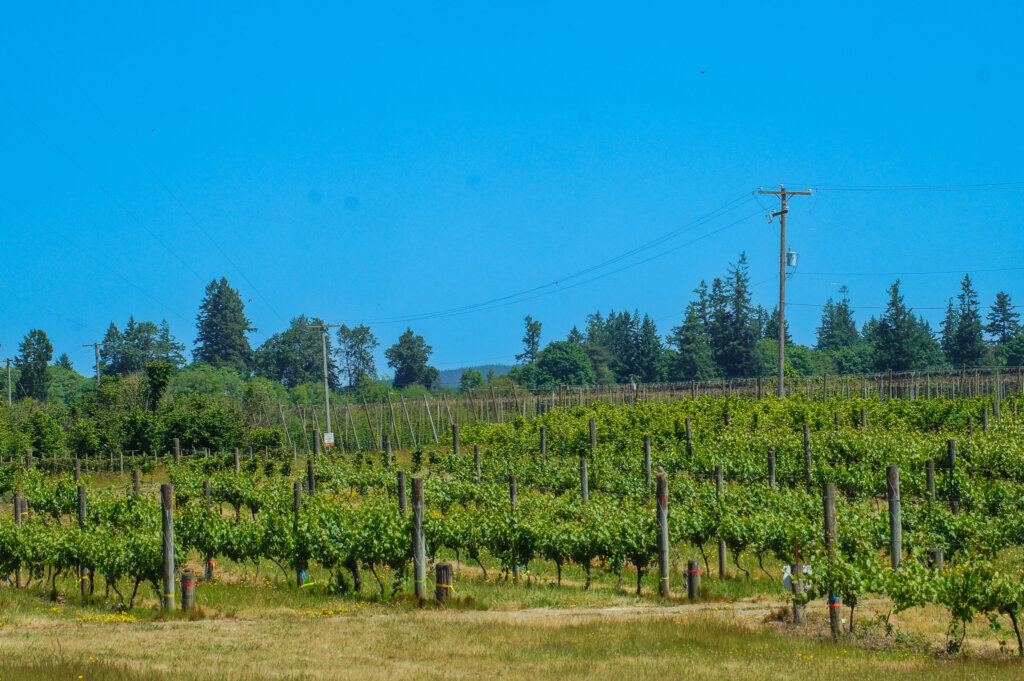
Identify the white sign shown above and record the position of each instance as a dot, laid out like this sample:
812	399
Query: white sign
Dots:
328	439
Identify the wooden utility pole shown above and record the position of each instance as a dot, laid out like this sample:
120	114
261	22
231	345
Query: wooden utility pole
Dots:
781	214
9	402
96	348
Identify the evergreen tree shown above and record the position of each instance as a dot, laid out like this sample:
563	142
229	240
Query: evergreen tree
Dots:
34	353
948	329
837	330
961	330
648	351
771	328
733	329
900	341
140	343
1003	320
693	360
575	336
355	351
531	341
64	362
409	357
222	327
295	356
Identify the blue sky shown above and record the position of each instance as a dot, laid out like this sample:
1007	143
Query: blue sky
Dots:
360	163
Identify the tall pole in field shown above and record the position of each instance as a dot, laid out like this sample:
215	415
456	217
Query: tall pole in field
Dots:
96	348
327	393
9	402
781	214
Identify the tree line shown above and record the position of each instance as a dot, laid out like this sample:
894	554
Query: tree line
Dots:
722	334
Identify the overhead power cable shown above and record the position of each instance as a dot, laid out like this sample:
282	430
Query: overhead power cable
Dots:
91	256
555	286
159	180
983	186
96	181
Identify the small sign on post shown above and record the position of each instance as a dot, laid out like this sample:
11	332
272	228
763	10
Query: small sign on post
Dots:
328	439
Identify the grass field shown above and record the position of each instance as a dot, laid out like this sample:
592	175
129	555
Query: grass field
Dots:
251	627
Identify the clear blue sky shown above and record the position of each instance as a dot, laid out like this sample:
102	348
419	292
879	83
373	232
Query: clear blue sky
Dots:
362	161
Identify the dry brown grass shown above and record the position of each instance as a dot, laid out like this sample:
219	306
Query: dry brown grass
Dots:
538	645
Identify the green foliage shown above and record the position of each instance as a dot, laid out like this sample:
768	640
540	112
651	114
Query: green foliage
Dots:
295	356
471	378
221	329
409	357
355	353
130	351
34	352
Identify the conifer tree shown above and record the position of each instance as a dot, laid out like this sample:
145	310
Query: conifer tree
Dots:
222	327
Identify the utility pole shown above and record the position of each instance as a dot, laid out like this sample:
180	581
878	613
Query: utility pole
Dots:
327	393
781	214
9	402
96	347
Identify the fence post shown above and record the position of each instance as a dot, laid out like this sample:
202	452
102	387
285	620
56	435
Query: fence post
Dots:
443	574
188	591
834	605
136	483
513	498
238	466
167	526
892	484
863	418
929	476
593	434
647	463
78	468
954	493
476	462
771	469
796	577
419	562
693	579
835	418
663	541
584	482
83	571
28	458
402	507
17	523
970	426
984	419
387	450
719	479
176	449
310	477
935	559
689	439
807	455
455	439
300	568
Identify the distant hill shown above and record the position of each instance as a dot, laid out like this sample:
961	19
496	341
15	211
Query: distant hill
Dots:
450	377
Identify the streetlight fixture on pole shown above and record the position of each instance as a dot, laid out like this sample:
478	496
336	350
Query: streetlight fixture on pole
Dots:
328	434
781	214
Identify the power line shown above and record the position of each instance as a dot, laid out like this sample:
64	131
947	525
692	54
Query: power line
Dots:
181	204
99	184
983	186
91	256
971	270
515	298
